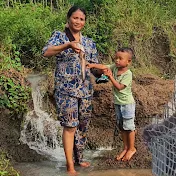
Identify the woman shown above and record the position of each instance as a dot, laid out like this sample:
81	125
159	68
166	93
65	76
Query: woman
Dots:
73	89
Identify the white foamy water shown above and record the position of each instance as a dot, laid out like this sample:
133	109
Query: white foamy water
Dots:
40	131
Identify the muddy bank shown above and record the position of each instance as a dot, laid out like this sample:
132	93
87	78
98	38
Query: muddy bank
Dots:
150	92
10	128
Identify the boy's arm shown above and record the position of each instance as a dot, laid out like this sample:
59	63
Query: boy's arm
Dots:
116	84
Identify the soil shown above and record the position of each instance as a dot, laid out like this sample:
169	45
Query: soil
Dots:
10	128
151	94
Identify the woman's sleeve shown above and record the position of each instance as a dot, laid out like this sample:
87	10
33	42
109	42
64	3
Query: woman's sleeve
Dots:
94	54
55	40
94	59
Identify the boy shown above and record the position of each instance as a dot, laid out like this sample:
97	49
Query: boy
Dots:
121	78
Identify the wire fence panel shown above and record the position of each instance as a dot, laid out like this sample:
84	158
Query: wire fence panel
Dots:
161	140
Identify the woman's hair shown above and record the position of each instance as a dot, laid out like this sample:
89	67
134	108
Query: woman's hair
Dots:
69	14
74	9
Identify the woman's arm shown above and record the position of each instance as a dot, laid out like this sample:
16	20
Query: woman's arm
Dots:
54	50
97	66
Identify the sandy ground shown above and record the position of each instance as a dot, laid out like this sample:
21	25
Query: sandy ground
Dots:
123	172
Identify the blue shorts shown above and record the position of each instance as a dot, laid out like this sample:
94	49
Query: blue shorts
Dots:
72	110
125	115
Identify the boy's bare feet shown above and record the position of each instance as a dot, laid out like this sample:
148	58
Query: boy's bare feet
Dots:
84	164
121	155
129	155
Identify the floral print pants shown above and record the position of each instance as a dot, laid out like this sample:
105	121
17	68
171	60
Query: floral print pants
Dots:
75	112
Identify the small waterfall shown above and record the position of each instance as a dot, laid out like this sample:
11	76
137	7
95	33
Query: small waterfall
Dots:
40	131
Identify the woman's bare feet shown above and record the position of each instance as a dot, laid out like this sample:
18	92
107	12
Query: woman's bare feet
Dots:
129	155
85	164
72	173
71	170
121	155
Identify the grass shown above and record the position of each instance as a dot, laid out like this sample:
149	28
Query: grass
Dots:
5	167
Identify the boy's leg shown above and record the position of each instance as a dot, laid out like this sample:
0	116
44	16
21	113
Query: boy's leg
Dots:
128	113
125	145
85	110
131	148
123	133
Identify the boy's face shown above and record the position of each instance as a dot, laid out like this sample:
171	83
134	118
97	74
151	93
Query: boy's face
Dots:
122	59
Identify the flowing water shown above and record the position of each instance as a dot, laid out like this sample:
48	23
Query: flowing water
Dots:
43	134
40	131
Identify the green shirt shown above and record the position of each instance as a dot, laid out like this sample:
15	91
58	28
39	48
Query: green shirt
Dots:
124	96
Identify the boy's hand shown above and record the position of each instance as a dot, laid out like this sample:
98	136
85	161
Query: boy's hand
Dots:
107	72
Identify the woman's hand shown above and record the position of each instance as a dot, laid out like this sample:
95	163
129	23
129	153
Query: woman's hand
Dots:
88	65
74	45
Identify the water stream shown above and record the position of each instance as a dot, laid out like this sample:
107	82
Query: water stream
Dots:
40	131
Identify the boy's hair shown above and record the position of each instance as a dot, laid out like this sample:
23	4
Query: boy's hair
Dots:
126	49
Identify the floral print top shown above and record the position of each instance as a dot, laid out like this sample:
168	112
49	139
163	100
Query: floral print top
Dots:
68	79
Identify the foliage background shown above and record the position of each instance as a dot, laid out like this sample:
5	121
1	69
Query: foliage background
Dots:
147	26
28	24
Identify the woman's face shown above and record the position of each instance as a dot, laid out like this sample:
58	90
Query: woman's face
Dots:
77	21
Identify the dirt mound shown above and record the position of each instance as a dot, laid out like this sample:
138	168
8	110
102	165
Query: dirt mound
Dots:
151	93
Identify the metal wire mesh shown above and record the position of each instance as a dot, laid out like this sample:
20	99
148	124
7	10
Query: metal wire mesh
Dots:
161	140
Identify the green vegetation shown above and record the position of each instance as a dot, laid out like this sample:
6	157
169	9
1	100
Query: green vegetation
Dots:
14	90
148	26
5	167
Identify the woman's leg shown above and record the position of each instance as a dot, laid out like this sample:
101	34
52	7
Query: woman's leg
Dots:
67	108
68	140
85	110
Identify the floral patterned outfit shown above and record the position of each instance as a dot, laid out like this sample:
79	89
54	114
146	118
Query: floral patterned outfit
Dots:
72	94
